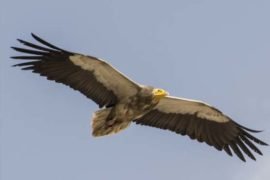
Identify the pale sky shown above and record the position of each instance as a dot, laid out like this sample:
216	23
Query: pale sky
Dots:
211	50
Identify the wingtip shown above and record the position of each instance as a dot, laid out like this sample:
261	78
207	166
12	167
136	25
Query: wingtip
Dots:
248	129
243	159
15	48
13	57
264	144
34	36
22	41
14	65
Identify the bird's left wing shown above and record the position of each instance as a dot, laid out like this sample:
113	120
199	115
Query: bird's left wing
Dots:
202	122
93	77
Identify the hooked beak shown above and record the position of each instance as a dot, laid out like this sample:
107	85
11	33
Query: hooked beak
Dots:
160	93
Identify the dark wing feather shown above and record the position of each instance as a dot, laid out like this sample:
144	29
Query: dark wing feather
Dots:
91	76
204	123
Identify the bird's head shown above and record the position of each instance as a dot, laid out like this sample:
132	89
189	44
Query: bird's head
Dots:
159	93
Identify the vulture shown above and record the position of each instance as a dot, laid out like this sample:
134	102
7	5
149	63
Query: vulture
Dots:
122	101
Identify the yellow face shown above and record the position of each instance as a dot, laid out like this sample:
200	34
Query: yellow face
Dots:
160	93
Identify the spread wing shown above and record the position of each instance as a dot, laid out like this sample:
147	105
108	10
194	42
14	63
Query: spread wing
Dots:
204	123
93	77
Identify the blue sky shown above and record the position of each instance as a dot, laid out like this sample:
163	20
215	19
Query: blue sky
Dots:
215	51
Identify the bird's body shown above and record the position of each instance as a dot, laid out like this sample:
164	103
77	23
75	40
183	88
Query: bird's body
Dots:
113	119
122	101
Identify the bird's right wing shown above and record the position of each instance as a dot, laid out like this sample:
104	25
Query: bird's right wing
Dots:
93	77
202	122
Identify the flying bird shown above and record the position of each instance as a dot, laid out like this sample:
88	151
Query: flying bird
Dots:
122	101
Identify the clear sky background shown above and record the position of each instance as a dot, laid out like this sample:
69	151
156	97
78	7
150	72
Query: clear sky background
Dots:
215	51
